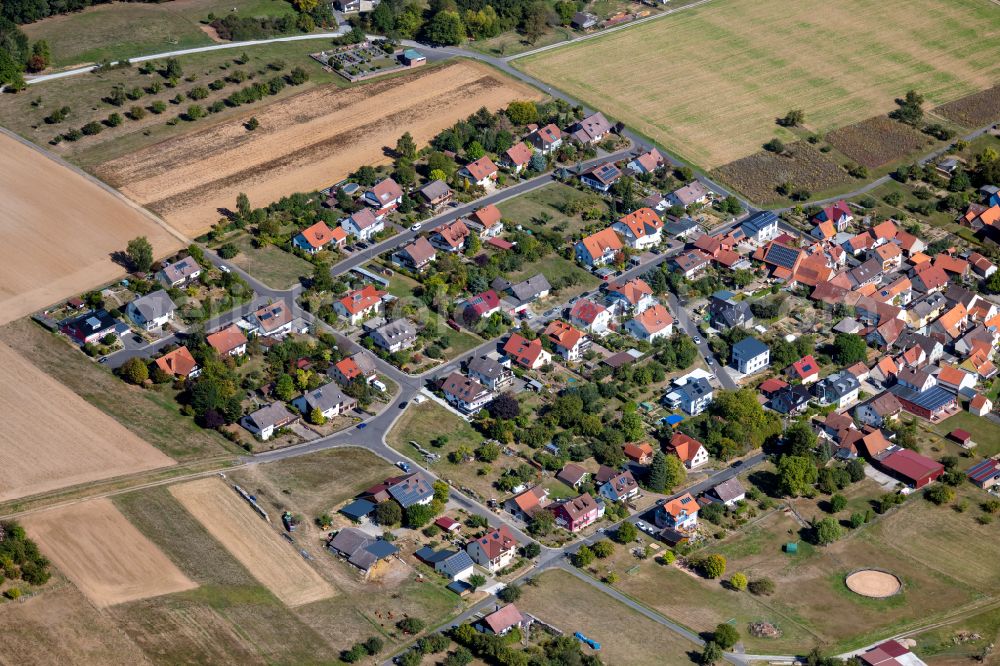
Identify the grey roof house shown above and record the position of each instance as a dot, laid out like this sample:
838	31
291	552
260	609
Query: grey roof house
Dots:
410	490
267	419
151	311
396	335
750	355
361	550
328	399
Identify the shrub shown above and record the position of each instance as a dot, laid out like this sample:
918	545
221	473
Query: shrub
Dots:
134	371
115	119
92	128
374	645
137	113
158	107
712	566
726	635
761	587
939	494
603	548
411	625
776	146
194	112
738	581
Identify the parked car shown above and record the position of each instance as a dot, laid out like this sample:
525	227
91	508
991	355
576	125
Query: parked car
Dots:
103	359
403	404
403	466
416	227
379	385
362	426
697	339
224	268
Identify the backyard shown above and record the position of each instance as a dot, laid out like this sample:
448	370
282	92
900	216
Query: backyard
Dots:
544	210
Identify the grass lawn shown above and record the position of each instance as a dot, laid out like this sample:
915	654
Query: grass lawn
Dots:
985	433
271	265
549	200
511	43
152	414
401	286
736	66
557	270
127	30
626	637
947	645
456	342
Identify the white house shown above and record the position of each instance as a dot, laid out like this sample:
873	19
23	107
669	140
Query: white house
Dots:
363	225
384	197
482	172
466	393
494	551
651	324
599	248
590	316
267	419
328	399
640	229
152	311
750	355
180	272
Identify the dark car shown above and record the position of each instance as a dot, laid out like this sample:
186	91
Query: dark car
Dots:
738	463
403	404
362	426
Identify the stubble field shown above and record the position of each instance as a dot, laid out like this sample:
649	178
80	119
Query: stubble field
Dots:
306	142
103	554
252	541
710	82
60	231
53	439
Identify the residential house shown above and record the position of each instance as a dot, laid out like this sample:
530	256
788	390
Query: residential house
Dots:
760	227
486	222
567	341
455	565
229	341
840	389
933	403
838	214
517	156
806	370
411	490
418	254
640	229
599	248
691	452
591	129
528	291
690	263
573	475
985	474
271	321
648	162
908	243
918	379
980	405
179	363
524	505
328	399
693	193
927	278
693	396
982	266
577	513
546	139
482	172
725	312
395	335
314	238
346	370
750	355
501	621
601	177
632	296
620	488
890	256
359	304
730	492
481	306
866	273
651	324
678	228
955	379
769	387
790	399
641	453
384	197
450	236
782	259
266	420
491	373
179	273
495	550
590	316
436	194
878	411
363	225
358	548
526	353
465	393
679	514
152	311
584	21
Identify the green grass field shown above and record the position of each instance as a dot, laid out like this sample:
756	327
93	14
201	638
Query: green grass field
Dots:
528	210
730	68
271	265
126	30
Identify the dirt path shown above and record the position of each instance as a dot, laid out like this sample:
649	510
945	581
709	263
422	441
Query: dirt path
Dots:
306	142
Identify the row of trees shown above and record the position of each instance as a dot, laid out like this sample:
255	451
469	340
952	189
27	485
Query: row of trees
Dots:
15	54
450	22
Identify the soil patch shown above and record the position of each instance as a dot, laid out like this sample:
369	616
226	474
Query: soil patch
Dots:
252	541
104	554
60	231
873	583
53	439
306	142
878	141
975	110
803	166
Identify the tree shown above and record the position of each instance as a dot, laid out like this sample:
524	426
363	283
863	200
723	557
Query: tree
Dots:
173	69
538	162
583	557
140	253
488	452
849	348
477	580
134	371
405	145
531	550
711	654
474	151
40	56
441	491
657	479
910	109
505	406
796	475
411	625
316	416
800	438
738	581
509	594
731	205
419	515
939	494
284	387
535	21
626	533
775	146
446	29
726	635
252	124
373	645
793	118
542	523
388	514
838	503
676	473
522	112
243	208
383	19
827	531
603	548
713	566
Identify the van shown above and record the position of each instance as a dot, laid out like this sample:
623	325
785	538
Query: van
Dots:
379	385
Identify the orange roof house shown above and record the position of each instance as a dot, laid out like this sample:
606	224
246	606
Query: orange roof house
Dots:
526	353
599	248
885	231
312	239
480	170
178	363
230	341
953	320
359	303
517	156
952	264
691	452
564	337
641	453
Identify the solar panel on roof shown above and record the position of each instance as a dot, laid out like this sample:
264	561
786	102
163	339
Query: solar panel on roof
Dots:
782	256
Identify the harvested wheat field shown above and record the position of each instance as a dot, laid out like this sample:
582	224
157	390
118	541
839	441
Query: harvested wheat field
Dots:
59	231
103	554
53	439
305	142
258	547
725	71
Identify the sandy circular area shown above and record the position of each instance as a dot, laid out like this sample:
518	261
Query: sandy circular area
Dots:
873	583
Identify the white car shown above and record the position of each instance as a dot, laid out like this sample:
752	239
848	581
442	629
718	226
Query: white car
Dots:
224	268
416	227
379	385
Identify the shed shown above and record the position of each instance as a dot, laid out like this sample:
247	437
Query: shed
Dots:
413	57
358	509
960	436
791	547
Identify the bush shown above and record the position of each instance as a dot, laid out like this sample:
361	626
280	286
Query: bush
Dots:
194	112
626	533
411	625
775	146
939	494
738	581
137	113
134	371
115	119
761	587
603	548
92	128
509	594
726	636
374	645
712	566
158	107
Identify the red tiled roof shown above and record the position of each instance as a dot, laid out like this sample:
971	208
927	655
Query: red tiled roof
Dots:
178	362
317	235
227	339
360	300
481	168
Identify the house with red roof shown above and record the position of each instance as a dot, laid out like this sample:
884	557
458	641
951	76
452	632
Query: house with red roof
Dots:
486	222
641	453
501	621
651	324
806	369
640	229
691	452
516	157
567	341
384	197
838	215
599	248
482	172
480	306
359	304
314	238
495	550
679	514
526	353
229	341
980	405
632	296
363	224
648	162
546	139
450	236
590	316
179	363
